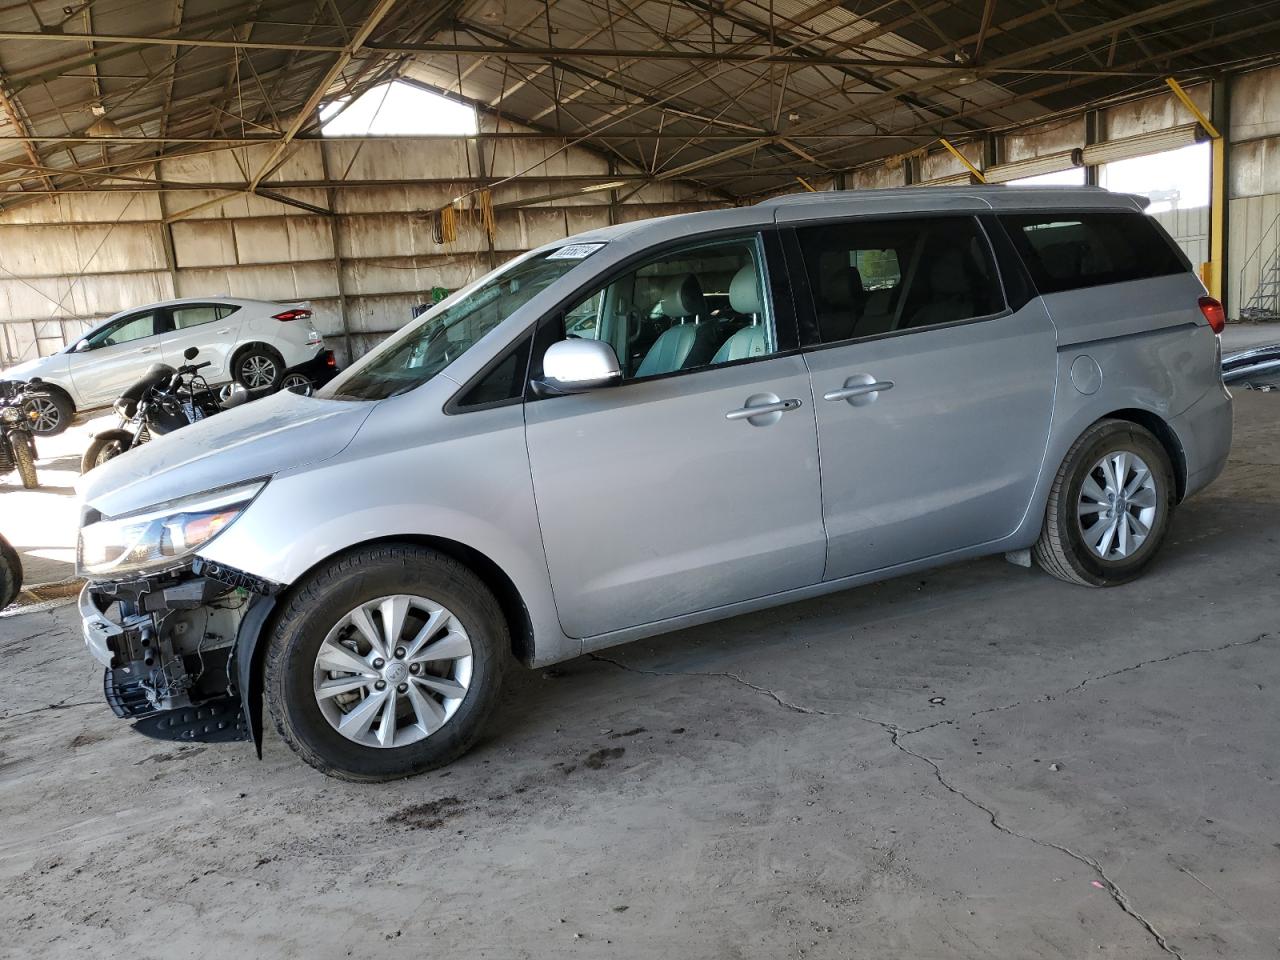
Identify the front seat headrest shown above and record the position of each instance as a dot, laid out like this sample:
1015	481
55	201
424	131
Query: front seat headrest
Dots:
684	298
744	291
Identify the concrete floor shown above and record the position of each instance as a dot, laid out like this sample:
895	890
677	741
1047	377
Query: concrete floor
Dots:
981	762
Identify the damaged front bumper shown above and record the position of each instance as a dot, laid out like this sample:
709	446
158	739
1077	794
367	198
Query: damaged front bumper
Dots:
177	649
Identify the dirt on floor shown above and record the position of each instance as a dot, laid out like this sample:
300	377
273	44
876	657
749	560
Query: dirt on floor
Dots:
979	762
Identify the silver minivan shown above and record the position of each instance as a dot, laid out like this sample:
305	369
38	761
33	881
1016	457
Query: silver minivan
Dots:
646	427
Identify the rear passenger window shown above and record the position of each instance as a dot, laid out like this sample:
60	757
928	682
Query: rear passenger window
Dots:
194	315
1067	251
697	307
874	277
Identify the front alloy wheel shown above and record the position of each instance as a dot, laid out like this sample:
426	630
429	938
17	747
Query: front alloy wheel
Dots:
385	662
393	671
47	415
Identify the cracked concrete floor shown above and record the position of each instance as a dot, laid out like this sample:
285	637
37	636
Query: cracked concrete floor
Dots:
981	762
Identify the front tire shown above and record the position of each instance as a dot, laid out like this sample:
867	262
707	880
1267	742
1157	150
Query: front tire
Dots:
24	458
105	446
385	663
50	413
1109	507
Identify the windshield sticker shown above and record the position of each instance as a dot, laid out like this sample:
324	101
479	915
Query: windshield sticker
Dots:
575	251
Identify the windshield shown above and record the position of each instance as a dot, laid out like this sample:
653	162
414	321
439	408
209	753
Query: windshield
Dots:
444	335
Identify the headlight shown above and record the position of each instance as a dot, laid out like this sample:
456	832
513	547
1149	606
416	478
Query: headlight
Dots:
160	536
10	414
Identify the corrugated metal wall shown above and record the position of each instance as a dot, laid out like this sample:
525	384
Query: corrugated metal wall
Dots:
66	262
1190	228
69	261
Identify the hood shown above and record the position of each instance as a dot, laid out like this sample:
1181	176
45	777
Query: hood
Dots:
263	437
40	366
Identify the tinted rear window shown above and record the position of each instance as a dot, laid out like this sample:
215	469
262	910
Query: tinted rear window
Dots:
871	277
1067	251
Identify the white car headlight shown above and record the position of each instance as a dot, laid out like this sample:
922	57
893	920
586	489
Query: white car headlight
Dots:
160	536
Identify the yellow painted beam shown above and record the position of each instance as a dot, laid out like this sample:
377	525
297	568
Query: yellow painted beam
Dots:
962	158
1211	270
1217	219
1190	104
807	185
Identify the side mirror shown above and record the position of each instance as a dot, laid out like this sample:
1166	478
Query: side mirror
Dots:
576	366
191	353
82	346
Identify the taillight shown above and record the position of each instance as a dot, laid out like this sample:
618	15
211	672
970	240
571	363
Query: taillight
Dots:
330	361
292	315
1214	313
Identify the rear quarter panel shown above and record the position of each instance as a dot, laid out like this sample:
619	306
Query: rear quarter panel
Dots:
1141	345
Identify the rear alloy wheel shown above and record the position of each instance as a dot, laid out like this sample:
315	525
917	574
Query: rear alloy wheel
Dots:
1109	506
258	370
385	663
48	413
297	383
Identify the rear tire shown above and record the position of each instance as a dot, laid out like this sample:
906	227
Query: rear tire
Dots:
1100	531
105	446
24	458
54	412
317	627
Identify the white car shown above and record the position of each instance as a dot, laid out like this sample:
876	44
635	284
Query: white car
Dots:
252	341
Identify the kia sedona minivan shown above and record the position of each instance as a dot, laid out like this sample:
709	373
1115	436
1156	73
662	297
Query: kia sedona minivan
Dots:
646	427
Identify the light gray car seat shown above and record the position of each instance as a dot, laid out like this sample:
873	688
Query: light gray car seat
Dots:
685	342
744	297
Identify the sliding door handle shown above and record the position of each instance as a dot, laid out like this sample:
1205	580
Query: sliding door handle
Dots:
863	391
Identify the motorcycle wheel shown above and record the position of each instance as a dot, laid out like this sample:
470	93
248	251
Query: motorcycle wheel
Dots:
24	456
105	446
10	573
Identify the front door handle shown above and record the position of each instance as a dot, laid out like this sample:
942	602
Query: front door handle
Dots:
148	350
763	409
223	330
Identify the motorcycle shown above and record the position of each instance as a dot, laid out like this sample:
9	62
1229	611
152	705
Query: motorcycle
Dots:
162	401
17	416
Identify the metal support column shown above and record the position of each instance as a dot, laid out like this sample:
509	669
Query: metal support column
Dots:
1092	135
335	238
1211	272
1220	202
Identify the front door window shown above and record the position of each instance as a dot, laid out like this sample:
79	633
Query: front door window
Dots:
124	330
693	308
